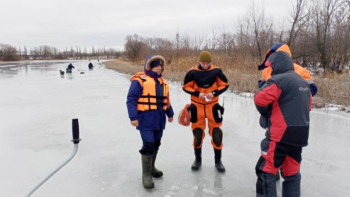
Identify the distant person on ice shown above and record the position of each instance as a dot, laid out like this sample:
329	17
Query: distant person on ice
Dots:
284	102
69	68
148	104
205	82
91	66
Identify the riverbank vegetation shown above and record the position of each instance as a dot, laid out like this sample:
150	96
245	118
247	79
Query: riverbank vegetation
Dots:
317	32
333	88
45	52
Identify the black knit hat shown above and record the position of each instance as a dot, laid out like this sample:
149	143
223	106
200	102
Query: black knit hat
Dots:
155	63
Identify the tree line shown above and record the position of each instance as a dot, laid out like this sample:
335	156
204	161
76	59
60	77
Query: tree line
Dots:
44	52
317	32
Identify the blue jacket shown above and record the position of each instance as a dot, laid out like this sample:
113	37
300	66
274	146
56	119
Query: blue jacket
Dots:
152	119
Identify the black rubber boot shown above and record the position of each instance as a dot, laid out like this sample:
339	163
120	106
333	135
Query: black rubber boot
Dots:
218	164
155	172
147	180
198	161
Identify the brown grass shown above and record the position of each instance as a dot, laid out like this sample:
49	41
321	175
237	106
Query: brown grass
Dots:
124	66
243	75
333	88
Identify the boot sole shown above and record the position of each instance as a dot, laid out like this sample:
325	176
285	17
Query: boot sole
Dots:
157	175
148	187
195	168
220	170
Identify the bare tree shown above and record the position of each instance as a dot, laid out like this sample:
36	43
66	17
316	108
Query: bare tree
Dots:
177	44
226	42
134	46
25	53
259	23
323	13
340	40
300	17
243	35
8	52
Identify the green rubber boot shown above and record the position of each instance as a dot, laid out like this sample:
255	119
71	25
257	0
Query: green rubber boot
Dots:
155	172
147	180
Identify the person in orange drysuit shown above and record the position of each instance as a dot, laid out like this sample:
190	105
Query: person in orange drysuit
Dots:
205	82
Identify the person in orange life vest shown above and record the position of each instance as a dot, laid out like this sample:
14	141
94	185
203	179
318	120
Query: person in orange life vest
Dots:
266	69
148	104
285	100
205	82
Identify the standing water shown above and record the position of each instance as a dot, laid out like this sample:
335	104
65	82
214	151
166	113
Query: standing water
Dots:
37	105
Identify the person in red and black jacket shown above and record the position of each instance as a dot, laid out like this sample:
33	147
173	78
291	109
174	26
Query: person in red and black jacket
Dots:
284	102
205	82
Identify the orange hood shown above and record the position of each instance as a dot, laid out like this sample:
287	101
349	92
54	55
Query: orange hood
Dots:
277	47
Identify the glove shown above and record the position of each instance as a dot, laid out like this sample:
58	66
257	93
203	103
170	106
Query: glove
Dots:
261	82
313	89
263	121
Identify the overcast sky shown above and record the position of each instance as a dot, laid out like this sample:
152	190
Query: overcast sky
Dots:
106	23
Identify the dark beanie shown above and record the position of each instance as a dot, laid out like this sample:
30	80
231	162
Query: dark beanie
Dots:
155	63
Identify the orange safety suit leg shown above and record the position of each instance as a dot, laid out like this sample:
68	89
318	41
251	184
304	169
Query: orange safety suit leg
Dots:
213	113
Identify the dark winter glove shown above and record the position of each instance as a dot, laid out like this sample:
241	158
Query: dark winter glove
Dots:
261	82
313	89
263	122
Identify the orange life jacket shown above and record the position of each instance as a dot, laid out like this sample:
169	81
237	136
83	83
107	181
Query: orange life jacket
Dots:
148	99
303	72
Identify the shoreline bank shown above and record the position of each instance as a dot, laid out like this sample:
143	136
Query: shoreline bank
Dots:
129	67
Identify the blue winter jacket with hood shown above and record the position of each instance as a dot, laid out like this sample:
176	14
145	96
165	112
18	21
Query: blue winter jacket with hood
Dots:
151	119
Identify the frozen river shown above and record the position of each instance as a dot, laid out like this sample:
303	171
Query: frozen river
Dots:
37	106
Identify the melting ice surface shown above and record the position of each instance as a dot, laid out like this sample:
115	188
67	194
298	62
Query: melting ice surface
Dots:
37	106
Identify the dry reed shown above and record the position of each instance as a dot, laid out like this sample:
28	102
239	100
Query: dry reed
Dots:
243	75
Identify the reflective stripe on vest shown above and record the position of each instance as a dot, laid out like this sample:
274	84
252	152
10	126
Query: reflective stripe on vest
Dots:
148	99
